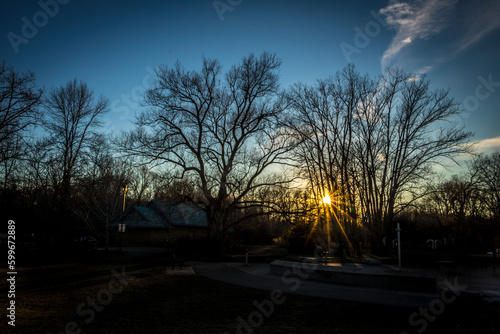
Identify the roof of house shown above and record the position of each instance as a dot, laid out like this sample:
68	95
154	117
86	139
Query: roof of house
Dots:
150	218
180	214
159	214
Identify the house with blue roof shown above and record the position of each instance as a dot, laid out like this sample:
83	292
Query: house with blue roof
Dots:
160	222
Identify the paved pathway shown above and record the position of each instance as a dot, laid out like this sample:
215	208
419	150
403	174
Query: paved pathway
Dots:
258	276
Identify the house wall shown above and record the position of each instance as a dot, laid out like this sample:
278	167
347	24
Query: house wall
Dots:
156	237
144	237
194	233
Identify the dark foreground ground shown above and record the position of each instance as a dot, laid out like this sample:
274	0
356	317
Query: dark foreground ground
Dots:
136	295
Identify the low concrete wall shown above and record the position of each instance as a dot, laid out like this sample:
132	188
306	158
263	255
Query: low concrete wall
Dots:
376	277
478	270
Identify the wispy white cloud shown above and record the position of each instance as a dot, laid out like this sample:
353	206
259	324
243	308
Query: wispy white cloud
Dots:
482	19
483	146
414	20
421	19
487	145
420	72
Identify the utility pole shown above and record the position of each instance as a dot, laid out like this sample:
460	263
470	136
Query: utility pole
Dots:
124	188
121	227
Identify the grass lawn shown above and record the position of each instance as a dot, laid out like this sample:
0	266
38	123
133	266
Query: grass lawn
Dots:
58	299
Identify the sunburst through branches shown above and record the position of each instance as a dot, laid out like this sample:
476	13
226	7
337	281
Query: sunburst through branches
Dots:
331	214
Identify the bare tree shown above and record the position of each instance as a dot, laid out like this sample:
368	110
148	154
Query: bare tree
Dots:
100	194
487	169
325	119
11	151
372	143
72	115
417	136
225	132
171	188
457	198
141	184
19	110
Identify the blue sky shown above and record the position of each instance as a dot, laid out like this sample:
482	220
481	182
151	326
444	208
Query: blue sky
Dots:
114	46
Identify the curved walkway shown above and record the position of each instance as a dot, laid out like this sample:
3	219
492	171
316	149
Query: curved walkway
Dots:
257	276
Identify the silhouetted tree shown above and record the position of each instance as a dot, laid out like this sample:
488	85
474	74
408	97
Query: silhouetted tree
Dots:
372	143
72	114
100	195
19	110
324	119
19	102
416	135
225	132
142	183
487	169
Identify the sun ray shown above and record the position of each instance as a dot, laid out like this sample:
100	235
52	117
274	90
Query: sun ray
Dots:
342	229
331	204
335	202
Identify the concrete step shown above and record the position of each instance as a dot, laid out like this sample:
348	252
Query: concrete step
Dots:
358	275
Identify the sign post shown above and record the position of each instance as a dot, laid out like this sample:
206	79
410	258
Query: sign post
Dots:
121	230
399	246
